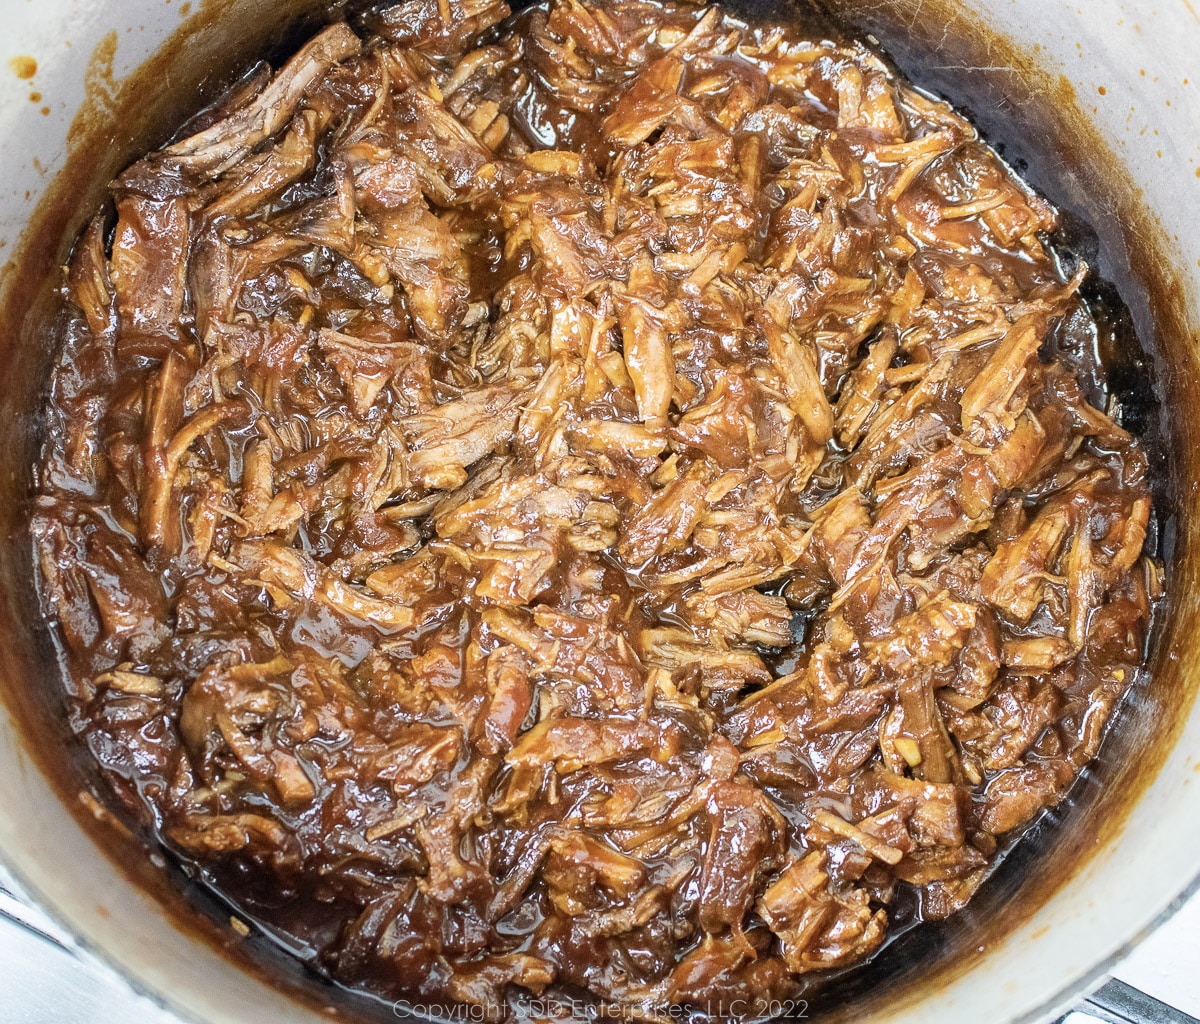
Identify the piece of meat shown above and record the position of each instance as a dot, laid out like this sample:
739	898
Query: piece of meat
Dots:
219	147
797	369
420	251
648	359
510	699
293	156
743	842
290	575
666	522
1015	579
451	437
438	28
819	928
148	266
571	743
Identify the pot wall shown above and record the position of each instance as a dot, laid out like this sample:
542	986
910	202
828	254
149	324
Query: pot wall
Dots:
1097	99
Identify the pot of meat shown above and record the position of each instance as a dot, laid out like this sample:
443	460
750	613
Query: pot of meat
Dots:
618	508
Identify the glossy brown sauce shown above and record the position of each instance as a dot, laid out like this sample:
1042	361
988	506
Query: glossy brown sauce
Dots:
372	911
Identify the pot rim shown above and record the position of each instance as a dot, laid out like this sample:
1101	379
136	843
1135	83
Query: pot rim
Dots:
1078	981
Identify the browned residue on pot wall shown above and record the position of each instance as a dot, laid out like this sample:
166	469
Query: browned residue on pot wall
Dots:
23	67
101	90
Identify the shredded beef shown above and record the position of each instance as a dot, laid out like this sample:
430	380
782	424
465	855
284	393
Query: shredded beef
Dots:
584	502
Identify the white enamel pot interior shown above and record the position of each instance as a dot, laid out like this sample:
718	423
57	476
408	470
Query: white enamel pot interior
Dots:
1099	98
